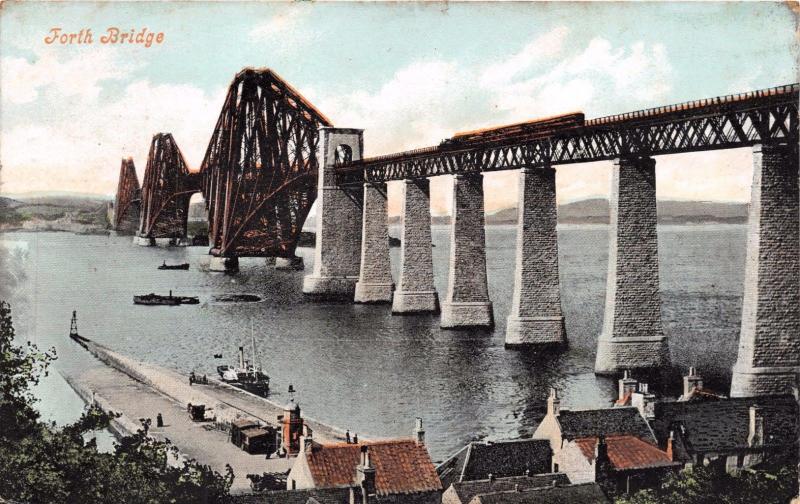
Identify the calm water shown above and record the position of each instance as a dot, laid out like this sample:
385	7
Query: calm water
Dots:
359	367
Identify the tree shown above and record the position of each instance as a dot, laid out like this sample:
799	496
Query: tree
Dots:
42	464
712	485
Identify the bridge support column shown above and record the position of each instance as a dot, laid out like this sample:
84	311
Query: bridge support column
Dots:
536	317
375	283
416	292
337	253
467	303
769	340
144	241
632	337
289	263
224	264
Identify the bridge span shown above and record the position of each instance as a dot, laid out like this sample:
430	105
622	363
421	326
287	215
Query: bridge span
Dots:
272	154
353	216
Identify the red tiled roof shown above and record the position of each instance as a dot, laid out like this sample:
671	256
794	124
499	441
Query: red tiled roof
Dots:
627	452
401	466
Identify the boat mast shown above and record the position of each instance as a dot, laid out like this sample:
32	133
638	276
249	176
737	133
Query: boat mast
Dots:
73	325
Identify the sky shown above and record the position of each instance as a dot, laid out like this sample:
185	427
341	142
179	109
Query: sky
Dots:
409	74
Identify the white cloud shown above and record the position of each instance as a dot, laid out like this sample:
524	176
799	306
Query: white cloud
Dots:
278	24
77	76
539	49
84	155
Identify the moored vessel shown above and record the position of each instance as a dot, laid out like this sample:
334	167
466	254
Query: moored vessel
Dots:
156	299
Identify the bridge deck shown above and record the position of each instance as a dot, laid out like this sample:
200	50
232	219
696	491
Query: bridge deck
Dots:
724	122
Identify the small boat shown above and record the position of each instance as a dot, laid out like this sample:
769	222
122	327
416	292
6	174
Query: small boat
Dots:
156	299
247	375
182	266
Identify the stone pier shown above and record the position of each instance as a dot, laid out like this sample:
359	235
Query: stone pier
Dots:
375	283
632	337
536	317
144	241
294	263
467	303
415	291
769	340
224	264
337	253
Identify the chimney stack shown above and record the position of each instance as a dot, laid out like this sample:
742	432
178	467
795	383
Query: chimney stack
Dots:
691	382
419	432
645	402
365	475
626	384
755	437
553	403
670	447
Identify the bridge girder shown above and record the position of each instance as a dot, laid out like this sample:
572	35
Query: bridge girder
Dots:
717	123
259	171
128	199
167	188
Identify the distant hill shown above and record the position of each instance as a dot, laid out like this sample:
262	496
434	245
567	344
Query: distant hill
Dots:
54	213
596	211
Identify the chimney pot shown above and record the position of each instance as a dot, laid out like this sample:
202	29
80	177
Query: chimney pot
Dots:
553	403
419	432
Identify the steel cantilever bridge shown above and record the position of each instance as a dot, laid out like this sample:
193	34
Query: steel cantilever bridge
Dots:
724	122
258	176
259	173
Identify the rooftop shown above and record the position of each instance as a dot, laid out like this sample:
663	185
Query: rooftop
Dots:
608	422
476	461
401	466
466	490
310	496
587	493
724	425
627	452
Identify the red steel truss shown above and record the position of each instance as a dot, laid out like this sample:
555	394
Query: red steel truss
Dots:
260	168
128	199
168	186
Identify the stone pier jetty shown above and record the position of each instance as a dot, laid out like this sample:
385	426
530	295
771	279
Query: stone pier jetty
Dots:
141	390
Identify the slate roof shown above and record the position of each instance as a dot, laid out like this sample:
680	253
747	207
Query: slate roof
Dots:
401	466
587	493
476	461
608	422
723	425
466	490
310	496
627	453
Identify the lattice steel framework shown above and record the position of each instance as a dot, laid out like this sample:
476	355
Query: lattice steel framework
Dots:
128	199
260	168
716	123
167	188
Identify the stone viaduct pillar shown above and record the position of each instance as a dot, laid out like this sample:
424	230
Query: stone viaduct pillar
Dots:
536	317
769	340
336	257
375	283
467	303
632	336
416	292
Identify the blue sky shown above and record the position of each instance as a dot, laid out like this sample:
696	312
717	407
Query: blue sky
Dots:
410	74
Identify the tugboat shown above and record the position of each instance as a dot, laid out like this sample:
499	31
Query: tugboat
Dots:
155	299
182	266
247	376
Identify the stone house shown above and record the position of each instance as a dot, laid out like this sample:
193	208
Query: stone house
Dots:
586	493
391	471
462	492
496	459
736	432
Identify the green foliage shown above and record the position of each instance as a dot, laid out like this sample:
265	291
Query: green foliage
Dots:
712	485
42	464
